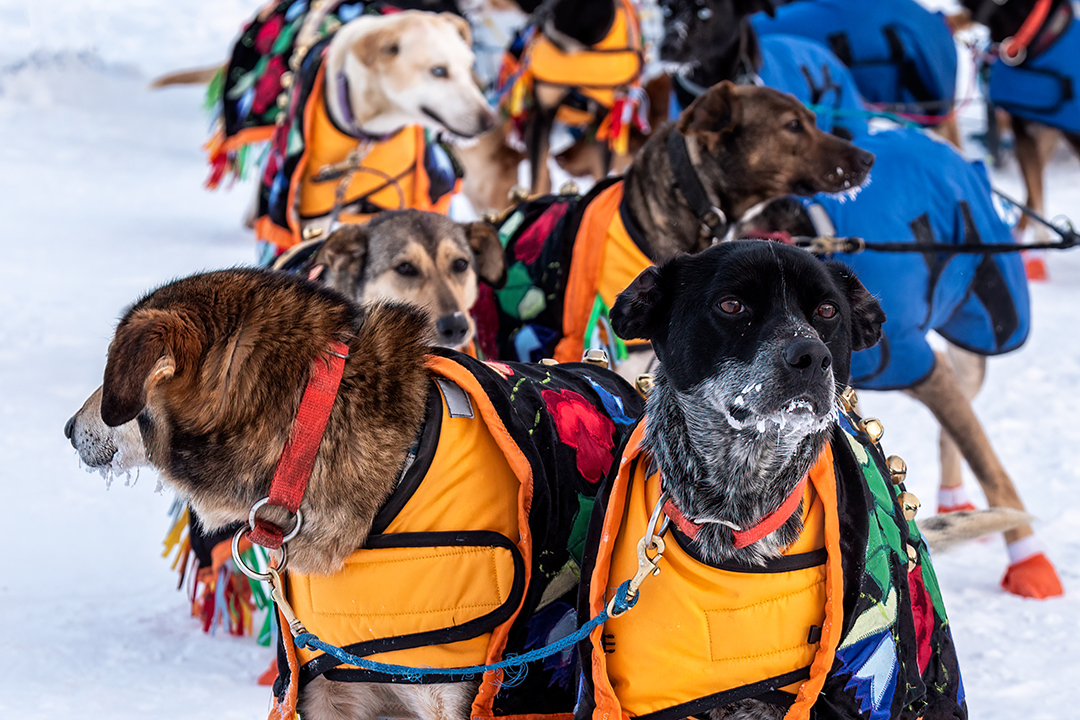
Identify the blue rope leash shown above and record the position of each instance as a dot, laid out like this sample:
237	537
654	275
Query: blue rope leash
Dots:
516	663
845	112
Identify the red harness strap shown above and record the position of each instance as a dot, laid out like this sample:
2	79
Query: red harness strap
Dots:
1012	47
298	456
743	538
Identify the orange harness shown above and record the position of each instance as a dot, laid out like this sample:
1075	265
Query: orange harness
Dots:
390	177
724	629
441	584
605	260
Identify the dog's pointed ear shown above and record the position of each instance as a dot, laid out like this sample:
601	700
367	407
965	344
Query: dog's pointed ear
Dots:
149	348
460	24
488	251
344	255
712	114
866	313
639	309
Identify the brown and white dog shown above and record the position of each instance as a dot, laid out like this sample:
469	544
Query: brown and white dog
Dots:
411	256
204	379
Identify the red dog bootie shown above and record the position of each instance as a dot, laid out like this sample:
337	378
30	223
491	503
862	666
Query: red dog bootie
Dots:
1033	577
953	500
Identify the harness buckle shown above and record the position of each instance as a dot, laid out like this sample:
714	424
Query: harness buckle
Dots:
278	595
651	541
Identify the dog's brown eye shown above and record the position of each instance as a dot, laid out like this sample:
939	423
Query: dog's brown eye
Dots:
460	265
826	310
794	126
391	49
406	270
731	306
440	71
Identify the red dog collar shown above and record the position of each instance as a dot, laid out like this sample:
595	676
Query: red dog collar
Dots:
743	538
298	456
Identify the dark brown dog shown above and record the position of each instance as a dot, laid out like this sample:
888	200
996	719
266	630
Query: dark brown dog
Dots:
204	380
747	144
733	148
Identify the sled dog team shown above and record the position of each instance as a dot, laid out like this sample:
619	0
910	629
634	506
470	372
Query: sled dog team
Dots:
372	408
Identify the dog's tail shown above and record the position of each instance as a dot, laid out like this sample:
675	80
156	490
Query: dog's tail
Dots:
197	76
946	530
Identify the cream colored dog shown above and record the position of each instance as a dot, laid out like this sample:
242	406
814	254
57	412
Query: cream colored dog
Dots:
406	68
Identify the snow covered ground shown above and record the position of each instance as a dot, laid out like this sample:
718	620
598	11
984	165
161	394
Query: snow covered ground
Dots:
101	199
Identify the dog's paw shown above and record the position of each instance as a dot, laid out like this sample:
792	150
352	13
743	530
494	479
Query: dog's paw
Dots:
962	507
270	675
1033	577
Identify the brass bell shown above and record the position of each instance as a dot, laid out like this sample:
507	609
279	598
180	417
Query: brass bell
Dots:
909	504
489	217
283	100
596	356
897	469
849	399
286	79
569	188
280	119
549	361
644	384
311	232
873	428
912	558
518	194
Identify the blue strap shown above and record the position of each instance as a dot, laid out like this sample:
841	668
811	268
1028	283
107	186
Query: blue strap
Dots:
621	604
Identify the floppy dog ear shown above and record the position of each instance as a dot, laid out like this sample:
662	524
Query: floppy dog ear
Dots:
145	351
712	114
639	309
461	25
866	313
488	250
377	42
345	256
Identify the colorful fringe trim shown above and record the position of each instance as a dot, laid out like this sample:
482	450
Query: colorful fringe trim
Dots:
221	596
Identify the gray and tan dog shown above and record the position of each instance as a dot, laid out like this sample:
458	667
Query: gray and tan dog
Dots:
412	256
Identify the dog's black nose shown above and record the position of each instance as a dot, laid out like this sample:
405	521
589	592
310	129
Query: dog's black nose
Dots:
69	428
487	122
807	355
452	329
863	159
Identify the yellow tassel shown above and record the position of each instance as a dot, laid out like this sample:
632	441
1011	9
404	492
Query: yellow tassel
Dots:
176	534
517	95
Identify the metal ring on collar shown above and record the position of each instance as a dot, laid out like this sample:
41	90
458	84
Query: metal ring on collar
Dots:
291	534
1009	58
248	570
657	511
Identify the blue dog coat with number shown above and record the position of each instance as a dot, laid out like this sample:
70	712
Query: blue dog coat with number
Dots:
898	51
1045	88
924	192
